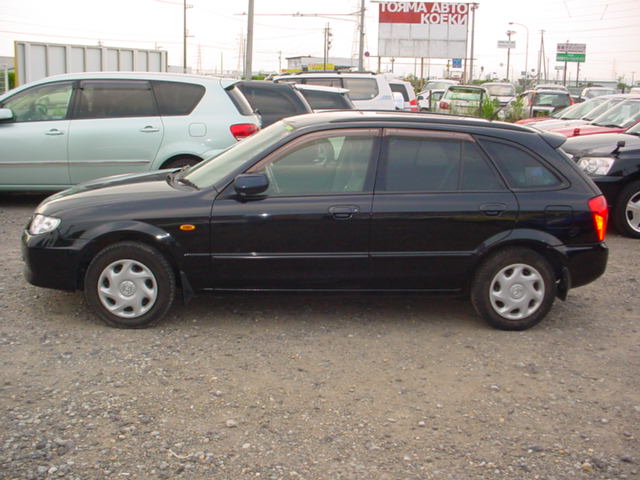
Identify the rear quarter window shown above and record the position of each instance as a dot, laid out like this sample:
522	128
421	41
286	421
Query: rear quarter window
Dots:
177	98
521	169
396	87
238	100
361	88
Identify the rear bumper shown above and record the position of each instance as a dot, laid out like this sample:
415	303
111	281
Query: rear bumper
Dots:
586	263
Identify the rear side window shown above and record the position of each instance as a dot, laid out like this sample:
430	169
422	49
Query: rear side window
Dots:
361	88
521	169
326	100
238	100
115	98
433	163
552	99
177	98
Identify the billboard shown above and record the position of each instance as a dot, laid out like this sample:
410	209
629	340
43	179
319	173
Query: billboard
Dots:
571	52
423	29
36	60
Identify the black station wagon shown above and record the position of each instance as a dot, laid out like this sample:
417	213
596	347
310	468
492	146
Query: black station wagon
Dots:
341	201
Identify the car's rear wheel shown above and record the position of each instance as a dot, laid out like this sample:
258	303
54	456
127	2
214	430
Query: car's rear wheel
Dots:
626	213
514	289
129	285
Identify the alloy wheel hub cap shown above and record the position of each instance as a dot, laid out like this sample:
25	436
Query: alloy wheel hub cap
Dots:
128	288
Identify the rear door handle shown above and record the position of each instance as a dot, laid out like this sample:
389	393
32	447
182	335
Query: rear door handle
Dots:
54	132
343	212
149	129
493	209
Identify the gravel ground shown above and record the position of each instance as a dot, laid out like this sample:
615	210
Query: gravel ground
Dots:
318	387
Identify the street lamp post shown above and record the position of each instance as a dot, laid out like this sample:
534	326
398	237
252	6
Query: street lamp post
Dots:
526	53
509	33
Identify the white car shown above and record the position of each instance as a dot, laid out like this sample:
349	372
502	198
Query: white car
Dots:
368	91
404	88
425	100
66	129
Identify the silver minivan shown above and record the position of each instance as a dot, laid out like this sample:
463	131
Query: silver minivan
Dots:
66	129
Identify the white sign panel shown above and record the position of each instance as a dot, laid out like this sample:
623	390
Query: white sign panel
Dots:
423	29
571	48
506	44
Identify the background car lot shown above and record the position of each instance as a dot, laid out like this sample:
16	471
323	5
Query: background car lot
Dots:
305	387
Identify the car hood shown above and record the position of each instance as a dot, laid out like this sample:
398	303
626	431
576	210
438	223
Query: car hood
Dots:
118	194
599	145
557	123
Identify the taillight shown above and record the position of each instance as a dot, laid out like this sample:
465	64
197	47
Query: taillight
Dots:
444	105
243	130
600	213
414	105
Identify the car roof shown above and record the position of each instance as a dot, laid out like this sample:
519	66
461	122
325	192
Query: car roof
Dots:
172	77
318	88
390	117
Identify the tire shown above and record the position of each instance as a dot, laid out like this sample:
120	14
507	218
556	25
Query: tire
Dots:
513	289
180	162
129	285
626	212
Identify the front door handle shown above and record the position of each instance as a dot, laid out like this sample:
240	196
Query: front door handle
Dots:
343	212
54	132
149	129
493	209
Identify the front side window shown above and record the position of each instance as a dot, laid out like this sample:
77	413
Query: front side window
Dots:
46	102
521	169
115	98
435	162
321	165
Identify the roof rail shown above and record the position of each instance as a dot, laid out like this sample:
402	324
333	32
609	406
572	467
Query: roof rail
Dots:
339	72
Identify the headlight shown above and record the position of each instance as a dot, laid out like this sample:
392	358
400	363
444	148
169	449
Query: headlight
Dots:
596	165
43	224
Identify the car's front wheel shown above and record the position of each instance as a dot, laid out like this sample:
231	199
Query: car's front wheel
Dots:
626	213
514	289
129	285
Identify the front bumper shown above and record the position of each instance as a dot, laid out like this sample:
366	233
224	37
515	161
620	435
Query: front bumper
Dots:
51	262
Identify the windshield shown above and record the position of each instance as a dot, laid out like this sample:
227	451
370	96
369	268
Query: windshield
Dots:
548	98
501	90
581	109
596	112
622	115
210	171
590	93
461	93
437	85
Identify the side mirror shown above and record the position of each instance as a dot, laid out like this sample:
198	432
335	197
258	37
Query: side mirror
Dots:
6	114
398	100
248	184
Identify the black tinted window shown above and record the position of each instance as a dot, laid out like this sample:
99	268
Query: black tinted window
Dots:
429	163
177	98
239	100
421	164
115	98
326	100
477	174
521	169
272	100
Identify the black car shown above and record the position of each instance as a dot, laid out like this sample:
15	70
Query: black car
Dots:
613	162
273	101
338	201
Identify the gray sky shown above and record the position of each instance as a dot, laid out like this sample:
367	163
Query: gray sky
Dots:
608	27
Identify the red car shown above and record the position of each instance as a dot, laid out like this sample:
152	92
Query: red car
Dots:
616	120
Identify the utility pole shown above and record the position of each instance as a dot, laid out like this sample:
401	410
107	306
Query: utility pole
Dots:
509	33
327	46
249	48
361	43
474	6
184	38
540	57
